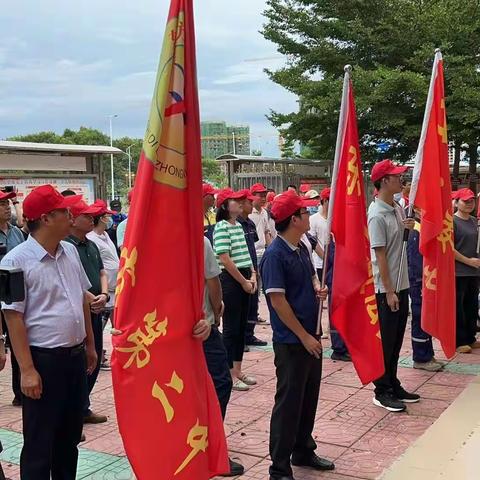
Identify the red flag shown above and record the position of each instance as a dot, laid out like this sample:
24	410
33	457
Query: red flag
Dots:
354	306
431	192
168	412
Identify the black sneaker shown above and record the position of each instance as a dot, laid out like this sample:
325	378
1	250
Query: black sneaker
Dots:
256	342
407	397
389	402
236	469
341	357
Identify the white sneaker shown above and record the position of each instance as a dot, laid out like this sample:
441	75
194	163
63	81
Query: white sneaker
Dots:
239	386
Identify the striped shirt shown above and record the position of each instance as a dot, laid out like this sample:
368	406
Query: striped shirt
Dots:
228	238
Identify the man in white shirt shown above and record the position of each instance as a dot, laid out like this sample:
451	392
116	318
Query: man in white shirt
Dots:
319	228
51	334
259	216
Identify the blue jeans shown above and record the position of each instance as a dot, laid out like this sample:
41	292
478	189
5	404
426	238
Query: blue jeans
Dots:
217	364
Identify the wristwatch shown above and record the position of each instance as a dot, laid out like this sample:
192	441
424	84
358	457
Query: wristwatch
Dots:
107	295
3	338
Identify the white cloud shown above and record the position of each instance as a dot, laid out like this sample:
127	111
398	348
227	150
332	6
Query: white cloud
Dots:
67	64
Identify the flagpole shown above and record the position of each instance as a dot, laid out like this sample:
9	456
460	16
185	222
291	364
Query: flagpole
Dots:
336	162
418	164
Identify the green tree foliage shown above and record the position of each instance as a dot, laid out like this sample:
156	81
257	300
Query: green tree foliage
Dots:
390	44
89	136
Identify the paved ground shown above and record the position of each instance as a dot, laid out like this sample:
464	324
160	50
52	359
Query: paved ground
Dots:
362	439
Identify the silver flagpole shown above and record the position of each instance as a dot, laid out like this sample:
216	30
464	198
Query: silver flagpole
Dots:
338	151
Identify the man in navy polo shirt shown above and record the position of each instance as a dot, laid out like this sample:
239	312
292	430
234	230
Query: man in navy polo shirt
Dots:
292	290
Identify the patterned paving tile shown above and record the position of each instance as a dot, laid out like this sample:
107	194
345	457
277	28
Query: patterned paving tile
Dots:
118	470
451	379
363	464
250	441
428	407
91	462
111	444
336	392
338	432
400	423
439	392
393	442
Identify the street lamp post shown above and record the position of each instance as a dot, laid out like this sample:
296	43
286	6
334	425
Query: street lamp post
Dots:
129	153
111	117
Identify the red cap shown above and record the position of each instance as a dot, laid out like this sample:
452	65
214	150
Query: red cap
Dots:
7	195
246	194
103	208
258	188
384	168
464	194
286	204
228	194
130	195
81	208
209	190
45	199
304	187
270	196
325	193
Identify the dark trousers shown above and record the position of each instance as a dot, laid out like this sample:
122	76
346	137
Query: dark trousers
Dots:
293	416
338	345
467	309
52	425
236	302
422	345
97	326
252	317
217	364
17	391
392	329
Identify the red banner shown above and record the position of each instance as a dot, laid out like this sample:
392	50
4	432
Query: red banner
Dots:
432	192
167	409
354	306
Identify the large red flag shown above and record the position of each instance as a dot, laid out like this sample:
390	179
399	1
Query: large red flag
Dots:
354	306
431	192
168	412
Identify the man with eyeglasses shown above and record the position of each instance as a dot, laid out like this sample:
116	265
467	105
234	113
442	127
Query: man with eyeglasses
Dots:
386	227
51	334
292	289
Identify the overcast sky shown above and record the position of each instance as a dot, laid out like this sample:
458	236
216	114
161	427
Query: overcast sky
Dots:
68	64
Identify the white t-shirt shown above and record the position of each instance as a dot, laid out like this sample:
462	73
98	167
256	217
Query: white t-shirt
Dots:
260	219
319	228
111	262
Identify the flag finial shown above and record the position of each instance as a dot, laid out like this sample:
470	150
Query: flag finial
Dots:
437	50
347	68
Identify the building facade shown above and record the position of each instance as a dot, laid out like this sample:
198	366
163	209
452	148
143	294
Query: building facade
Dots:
218	138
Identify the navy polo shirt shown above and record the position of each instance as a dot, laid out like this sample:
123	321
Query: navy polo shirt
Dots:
251	237
285	268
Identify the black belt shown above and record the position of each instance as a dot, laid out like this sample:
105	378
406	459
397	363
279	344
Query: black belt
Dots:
65	351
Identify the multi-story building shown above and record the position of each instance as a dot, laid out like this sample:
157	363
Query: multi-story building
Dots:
218	138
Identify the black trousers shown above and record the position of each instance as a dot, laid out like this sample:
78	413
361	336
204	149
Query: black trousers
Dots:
97	327
467	309
236	302
217	364
293	416
392	329
17	391
52	425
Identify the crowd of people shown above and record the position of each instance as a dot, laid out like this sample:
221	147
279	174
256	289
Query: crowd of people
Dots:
255	242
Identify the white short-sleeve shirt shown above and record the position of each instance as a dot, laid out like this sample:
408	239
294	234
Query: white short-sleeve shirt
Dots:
54	293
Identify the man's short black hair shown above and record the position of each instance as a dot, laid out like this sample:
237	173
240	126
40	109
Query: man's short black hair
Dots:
280	227
292	186
68	193
377	184
33	225
96	220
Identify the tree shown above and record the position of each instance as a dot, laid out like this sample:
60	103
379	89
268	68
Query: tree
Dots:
212	173
390	44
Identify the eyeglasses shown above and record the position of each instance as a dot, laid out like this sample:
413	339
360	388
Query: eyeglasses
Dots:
304	212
